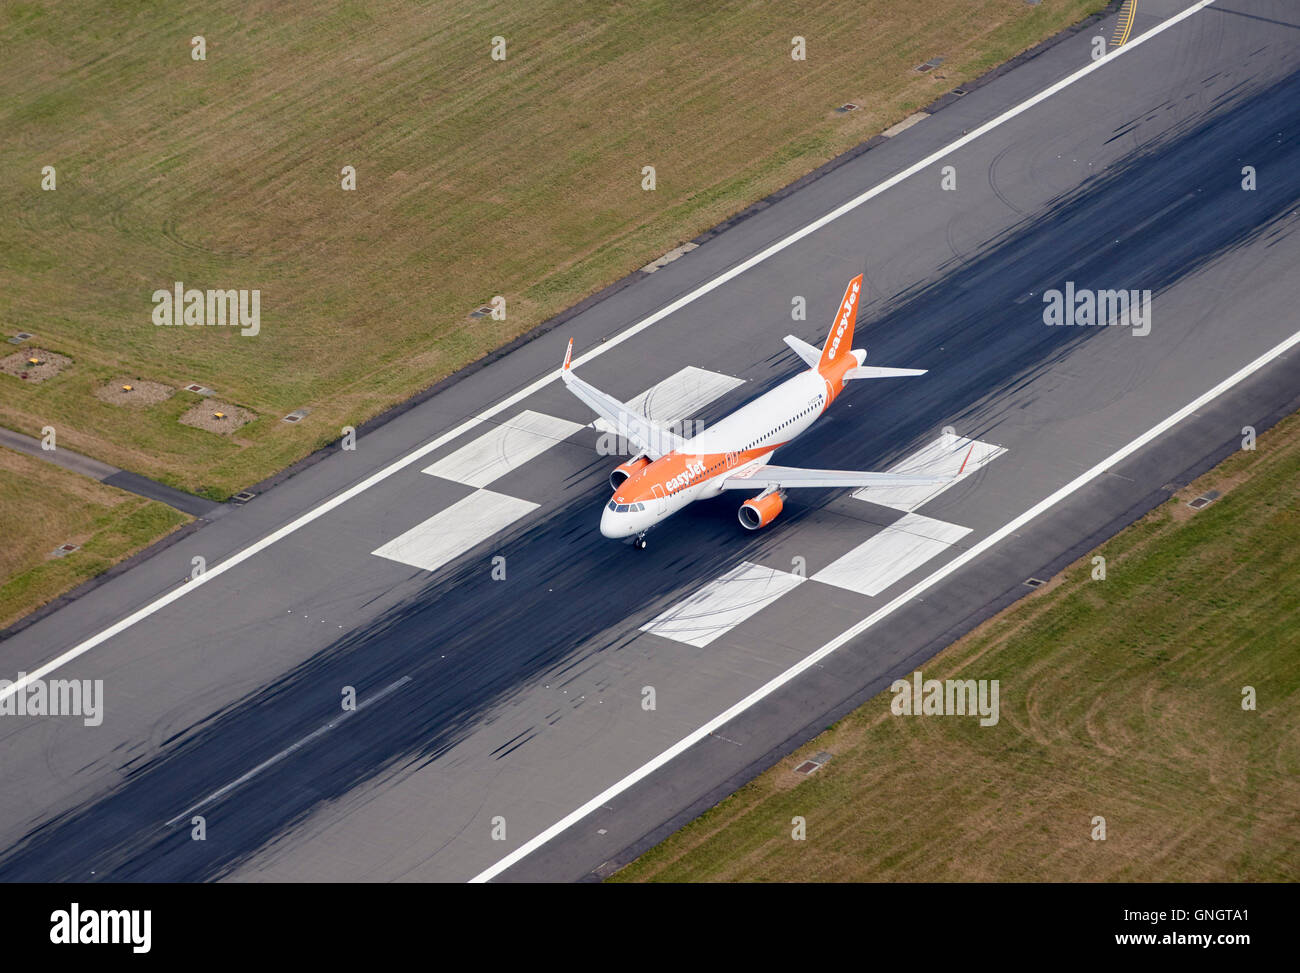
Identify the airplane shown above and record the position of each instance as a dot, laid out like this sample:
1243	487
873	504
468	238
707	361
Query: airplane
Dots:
670	472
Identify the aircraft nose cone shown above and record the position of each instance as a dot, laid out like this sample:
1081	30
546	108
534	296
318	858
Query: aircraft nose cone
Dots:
608	526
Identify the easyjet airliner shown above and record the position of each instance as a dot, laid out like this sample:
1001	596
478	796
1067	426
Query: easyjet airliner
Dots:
669	472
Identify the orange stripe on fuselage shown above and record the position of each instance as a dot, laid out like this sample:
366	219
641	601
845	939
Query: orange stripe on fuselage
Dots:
677	471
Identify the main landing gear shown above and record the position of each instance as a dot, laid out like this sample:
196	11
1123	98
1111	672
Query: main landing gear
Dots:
639	543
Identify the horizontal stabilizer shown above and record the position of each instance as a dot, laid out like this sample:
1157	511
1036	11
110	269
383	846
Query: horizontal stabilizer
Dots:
804	350
876	371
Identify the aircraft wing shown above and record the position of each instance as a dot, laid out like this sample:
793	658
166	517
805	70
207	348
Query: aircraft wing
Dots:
790	476
648	436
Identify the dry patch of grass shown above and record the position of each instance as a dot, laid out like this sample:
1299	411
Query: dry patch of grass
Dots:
46	506
1119	698
34	365
218	417
134	392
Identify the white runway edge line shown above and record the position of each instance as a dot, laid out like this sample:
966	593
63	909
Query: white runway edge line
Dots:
607	795
400	464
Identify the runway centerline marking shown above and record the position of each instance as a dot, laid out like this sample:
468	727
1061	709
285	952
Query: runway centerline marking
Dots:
294	748
417	454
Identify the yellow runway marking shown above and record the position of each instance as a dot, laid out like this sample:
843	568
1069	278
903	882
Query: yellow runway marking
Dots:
1125	24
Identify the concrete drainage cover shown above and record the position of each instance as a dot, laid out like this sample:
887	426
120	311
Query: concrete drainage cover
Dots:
297	415
814	763
20	337
1204	500
63	550
1035	582
198	389
243	497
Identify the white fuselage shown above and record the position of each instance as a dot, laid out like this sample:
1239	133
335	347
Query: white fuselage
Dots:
696	470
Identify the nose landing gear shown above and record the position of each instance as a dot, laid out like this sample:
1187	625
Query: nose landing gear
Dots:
639	543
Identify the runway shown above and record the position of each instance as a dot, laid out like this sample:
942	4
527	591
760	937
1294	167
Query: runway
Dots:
449	570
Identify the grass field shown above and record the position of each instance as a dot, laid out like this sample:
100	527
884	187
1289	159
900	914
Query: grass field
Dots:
475	178
1119	697
46	506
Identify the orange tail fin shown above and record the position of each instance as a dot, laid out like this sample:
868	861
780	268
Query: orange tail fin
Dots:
840	340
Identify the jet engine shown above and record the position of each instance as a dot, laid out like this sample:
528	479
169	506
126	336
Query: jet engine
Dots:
620	473
761	510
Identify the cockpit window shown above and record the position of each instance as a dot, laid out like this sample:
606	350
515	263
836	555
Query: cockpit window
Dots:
613	505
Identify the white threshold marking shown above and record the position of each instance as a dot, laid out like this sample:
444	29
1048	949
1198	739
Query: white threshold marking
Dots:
451	532
722	604
678	397
315	513
508	446
948	455
891	555
646	769
237	782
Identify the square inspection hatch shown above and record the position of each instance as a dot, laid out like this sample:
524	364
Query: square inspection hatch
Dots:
481	312
243	497
846	108
929	65
1204	500
297	415
63	550
198	389
1035	582
20	337
814	763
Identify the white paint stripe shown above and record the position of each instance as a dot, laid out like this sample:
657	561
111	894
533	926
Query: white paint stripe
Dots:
398	465
450	533
891	554
722	604
607	795
291	749
679	396
507	447
949	455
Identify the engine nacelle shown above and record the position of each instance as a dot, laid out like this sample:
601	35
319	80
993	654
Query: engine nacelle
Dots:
760	511
621	473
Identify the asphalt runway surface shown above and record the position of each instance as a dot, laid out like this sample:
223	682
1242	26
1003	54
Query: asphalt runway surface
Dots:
492	709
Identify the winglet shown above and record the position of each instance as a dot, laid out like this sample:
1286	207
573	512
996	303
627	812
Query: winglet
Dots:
568	356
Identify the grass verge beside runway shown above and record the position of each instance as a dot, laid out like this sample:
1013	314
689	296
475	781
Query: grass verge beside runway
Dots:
45	507
1120	698
474	178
